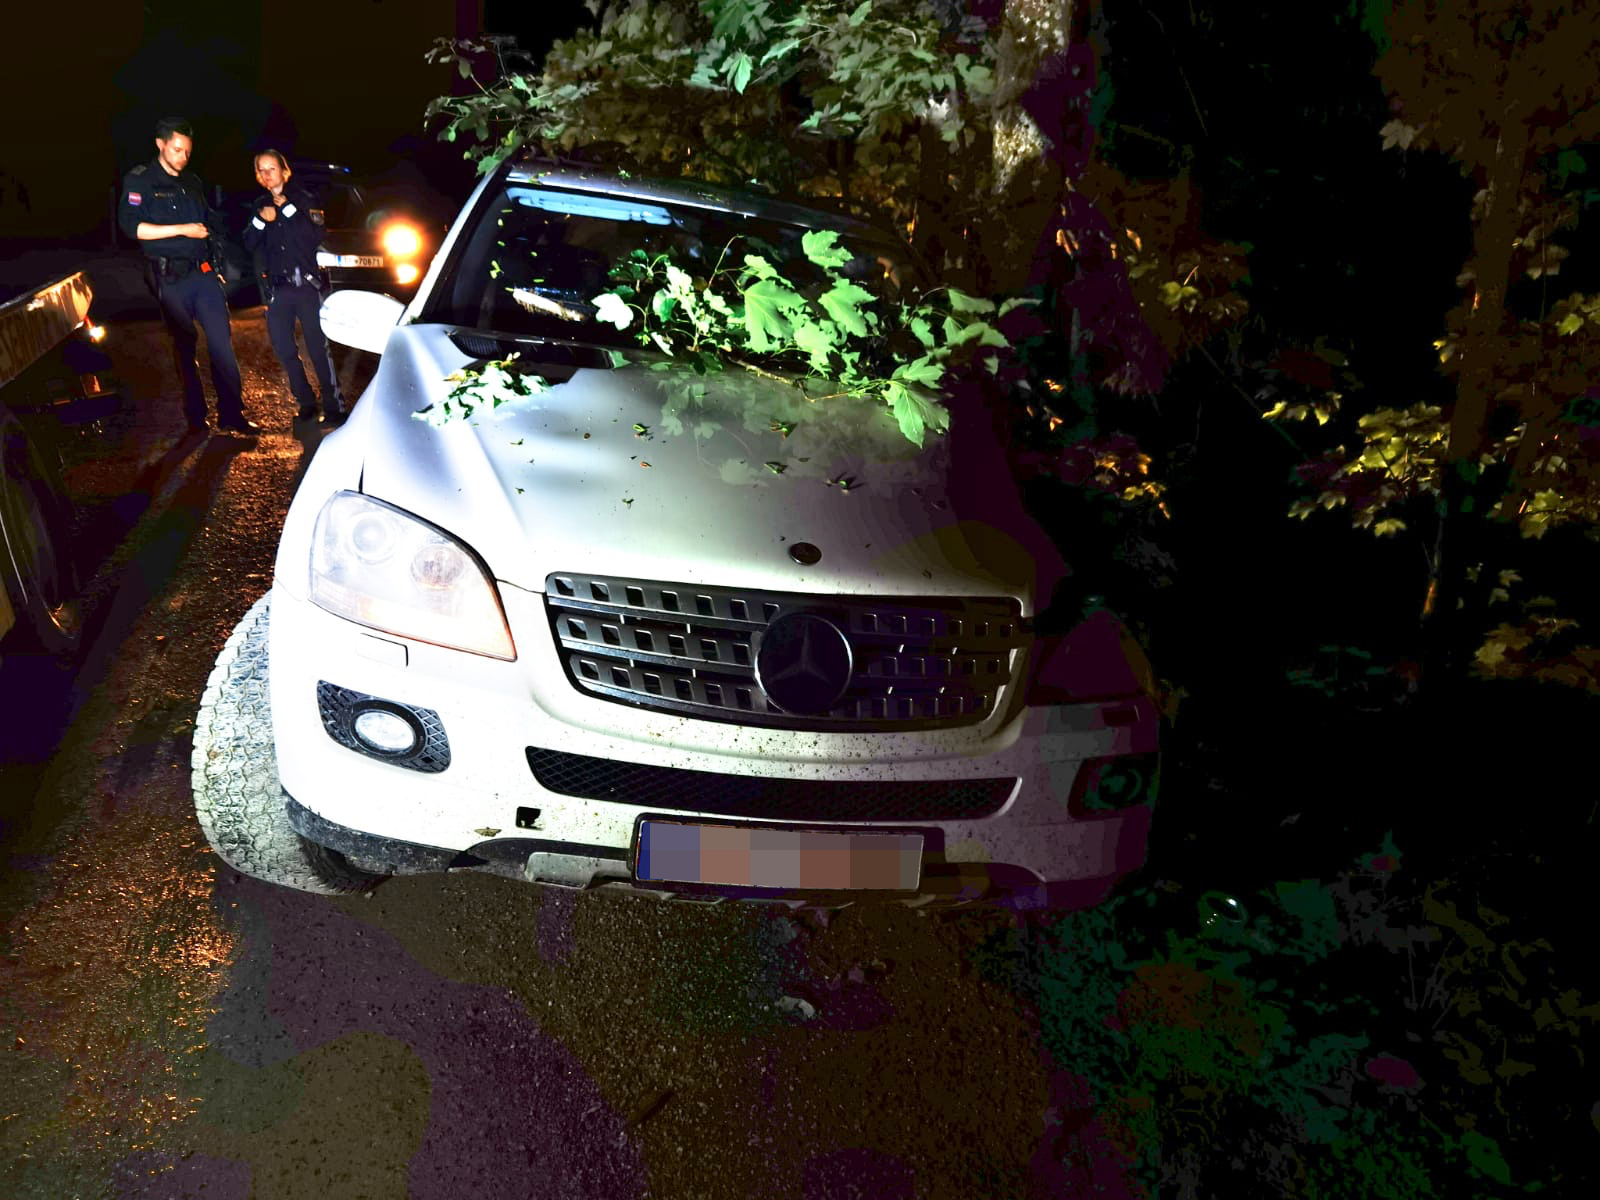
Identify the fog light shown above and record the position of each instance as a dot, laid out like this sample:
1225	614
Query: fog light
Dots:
406	273
402	735
1115	783
385	731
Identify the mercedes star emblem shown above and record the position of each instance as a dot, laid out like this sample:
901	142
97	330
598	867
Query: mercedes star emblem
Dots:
804	663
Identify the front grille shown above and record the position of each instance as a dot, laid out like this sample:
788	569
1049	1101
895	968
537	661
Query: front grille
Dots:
919	663
754	796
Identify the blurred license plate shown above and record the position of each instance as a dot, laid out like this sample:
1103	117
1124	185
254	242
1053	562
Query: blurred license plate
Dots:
672	851
324	259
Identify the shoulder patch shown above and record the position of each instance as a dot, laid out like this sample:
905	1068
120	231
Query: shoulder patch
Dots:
135	199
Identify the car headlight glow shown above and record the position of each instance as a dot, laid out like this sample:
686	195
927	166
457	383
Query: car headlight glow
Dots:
406	273
401	240
384	568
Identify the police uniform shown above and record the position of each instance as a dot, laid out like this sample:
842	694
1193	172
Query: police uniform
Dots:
185	280
286	249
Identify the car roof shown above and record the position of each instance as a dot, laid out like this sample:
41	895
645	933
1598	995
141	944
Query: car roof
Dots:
690	193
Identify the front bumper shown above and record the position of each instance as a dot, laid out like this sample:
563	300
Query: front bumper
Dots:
490	810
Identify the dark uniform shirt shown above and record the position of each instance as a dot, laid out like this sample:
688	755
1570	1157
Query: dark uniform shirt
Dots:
150	194
288	243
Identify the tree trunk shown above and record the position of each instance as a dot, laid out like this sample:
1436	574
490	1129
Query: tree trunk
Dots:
1463	504
1027	183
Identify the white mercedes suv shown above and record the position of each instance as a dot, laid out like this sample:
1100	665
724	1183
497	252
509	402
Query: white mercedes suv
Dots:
696	637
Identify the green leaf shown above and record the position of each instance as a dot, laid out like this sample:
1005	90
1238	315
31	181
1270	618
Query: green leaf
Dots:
922	331
843	303
915	414
963	303
816	339
1016	302
860	14
922	370
981	332
822	247
739	73
765	304
678	281
613	310
1483	1153
759	267
779	49
663	304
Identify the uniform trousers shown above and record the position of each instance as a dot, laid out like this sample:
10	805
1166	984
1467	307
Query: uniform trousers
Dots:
197	298
303	303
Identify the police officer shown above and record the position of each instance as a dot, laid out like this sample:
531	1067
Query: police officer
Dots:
284	235
164	208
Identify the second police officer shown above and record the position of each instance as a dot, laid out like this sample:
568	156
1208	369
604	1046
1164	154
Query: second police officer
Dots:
283	235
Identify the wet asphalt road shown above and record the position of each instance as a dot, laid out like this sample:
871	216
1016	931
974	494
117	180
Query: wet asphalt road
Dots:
171	1029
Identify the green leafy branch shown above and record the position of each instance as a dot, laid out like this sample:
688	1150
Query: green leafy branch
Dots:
881	62
829	339
497	382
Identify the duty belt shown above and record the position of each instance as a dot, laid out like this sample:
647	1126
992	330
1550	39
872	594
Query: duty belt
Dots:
294	279
178	268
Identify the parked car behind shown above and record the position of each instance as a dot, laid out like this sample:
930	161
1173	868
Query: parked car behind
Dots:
593	639
53	377
373	238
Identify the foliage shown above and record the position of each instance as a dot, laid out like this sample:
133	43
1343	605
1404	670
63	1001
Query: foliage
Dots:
1502	87
1539	645
887	109
1228	1046
738	90
748	313
497	382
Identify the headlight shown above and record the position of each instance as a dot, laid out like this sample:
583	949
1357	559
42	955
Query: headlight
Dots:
406	273
378	566
401	241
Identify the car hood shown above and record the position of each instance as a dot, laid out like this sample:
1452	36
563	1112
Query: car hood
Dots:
635	473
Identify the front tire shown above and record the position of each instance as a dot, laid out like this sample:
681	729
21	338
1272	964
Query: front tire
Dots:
237	797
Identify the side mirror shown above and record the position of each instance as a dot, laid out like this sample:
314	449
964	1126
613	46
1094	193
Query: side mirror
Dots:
361	319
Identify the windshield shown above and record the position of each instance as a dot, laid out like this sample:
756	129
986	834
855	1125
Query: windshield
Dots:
538	257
